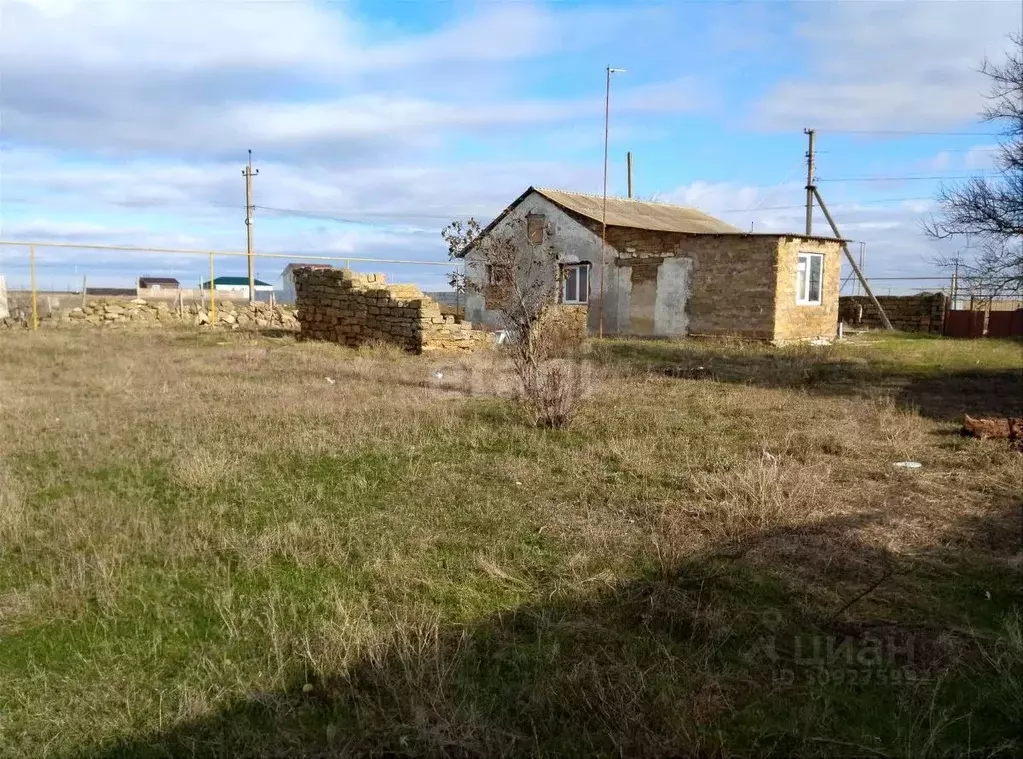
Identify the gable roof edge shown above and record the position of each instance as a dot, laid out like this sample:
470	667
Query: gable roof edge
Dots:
497	220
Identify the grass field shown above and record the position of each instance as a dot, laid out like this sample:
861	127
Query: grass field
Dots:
209	549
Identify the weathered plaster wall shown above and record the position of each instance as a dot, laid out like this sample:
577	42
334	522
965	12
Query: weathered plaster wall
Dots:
804	322
671	316
574	244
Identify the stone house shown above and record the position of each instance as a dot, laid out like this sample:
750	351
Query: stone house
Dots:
668	271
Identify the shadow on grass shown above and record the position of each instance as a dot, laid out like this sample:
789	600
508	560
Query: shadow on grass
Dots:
939	394
721	656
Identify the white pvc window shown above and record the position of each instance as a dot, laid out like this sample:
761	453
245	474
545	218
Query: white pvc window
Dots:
809	276
575	283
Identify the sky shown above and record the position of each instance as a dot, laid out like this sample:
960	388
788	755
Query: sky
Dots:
374	123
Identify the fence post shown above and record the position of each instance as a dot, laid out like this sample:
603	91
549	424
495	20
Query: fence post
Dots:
32	270
85	288
213	297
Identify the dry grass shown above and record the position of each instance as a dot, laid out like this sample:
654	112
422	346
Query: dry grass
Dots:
220	545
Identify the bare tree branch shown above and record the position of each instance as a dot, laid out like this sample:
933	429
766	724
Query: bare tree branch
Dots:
520	283
990	209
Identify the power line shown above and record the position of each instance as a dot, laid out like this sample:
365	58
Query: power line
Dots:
904	179
911	132
349	219
979	149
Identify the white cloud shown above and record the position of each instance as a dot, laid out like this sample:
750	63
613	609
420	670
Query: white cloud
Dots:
891	65
291	78
396	192
891	231
981	158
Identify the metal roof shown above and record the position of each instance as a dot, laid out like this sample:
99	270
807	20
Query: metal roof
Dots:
159	280
236	281
636	214
639	214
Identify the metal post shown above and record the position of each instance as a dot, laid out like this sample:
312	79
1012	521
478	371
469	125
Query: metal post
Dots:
809	182
603	213
213	297
628	163
32	270
852	261
85	288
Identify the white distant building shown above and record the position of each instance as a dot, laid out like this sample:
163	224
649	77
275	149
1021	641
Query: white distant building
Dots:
237	286
288	275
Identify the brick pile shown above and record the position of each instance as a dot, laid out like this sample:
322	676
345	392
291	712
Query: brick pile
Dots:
352	309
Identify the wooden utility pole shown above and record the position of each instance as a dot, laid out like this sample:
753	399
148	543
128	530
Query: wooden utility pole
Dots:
810	187
852	261
628	164
248	173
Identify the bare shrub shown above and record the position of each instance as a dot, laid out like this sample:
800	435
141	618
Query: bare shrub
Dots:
552	389
521	285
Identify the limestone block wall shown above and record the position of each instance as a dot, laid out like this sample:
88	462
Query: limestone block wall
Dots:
563	327
800	321
730	287
352	309
908	313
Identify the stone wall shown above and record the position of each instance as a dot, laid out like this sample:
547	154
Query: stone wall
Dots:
731	277
795	321
362	309
908	313
113	312
563	327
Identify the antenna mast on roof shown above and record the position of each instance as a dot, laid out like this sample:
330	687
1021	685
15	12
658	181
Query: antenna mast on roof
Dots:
603	215
628	164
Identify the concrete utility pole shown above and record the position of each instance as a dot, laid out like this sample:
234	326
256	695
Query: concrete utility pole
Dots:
809	181
248	173
628	164
603	214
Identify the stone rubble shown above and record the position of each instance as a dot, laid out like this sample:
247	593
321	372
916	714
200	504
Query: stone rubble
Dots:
112	312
